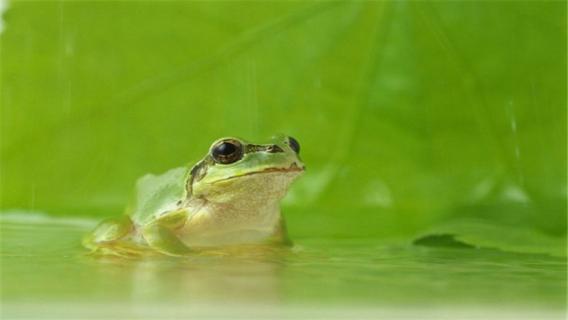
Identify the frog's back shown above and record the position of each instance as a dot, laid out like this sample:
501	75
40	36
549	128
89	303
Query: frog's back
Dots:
155	194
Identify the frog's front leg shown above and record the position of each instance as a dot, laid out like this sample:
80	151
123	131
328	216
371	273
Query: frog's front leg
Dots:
112	236
160	234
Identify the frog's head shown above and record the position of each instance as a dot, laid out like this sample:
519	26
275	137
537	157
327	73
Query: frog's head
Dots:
236	169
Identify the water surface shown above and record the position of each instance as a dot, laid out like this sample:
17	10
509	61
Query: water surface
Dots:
46	273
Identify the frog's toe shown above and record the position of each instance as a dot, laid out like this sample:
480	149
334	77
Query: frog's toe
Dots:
124	249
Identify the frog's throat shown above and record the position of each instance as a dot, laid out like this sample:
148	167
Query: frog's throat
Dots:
293	168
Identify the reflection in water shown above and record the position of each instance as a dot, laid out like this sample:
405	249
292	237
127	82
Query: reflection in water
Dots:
45	268
204	277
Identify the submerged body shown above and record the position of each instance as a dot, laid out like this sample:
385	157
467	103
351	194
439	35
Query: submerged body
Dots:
230	197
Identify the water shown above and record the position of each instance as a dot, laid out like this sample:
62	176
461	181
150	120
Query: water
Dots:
46	273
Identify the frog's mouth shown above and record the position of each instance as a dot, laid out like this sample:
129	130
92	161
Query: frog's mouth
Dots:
291	169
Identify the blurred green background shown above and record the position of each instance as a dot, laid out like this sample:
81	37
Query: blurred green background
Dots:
415	118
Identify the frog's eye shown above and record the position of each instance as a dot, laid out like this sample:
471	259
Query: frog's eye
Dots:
227	151
294	144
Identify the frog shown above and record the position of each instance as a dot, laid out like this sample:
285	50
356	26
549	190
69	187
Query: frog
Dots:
230	197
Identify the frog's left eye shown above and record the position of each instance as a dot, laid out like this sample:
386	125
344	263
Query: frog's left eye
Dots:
294	144
227	151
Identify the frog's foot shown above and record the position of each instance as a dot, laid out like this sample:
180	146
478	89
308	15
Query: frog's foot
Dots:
160	234
111	237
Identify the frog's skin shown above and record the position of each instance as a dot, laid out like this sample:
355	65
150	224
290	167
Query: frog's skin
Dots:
230	197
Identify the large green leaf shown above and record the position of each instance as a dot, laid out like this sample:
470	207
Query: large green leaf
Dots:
407	112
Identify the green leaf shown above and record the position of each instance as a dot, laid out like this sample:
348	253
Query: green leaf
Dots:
487	234
406	111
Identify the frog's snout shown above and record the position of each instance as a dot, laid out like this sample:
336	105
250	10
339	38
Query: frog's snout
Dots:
296	166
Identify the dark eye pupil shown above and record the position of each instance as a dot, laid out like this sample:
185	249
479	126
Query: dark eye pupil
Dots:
294	144
226	149
227	152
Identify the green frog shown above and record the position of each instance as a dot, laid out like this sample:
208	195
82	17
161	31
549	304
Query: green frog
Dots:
231	197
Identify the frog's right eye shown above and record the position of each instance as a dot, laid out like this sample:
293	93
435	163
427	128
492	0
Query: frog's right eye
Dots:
227	151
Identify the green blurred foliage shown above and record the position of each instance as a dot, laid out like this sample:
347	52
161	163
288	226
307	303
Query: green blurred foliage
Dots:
410	114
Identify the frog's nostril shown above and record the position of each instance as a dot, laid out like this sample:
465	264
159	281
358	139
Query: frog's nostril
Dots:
294	165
